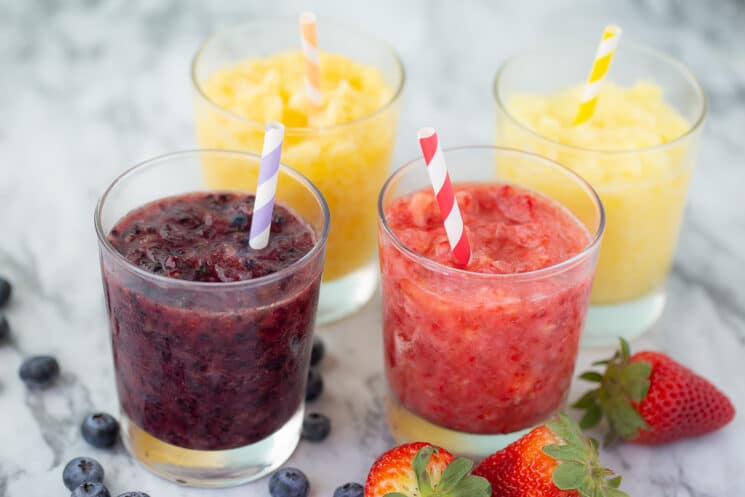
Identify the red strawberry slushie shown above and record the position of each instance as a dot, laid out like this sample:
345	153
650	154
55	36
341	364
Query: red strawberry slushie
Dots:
490	348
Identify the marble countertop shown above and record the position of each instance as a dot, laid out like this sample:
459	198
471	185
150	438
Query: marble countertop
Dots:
93	87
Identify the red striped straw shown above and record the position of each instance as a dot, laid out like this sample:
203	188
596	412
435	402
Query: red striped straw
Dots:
443	188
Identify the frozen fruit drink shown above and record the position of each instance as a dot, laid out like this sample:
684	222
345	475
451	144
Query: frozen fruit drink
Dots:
211	338
343	145
637	150
488	349
202	378
638	247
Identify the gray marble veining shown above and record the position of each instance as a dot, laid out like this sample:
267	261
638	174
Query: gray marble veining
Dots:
90	87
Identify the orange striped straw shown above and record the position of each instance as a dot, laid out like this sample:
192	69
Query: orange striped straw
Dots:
309	41
600	66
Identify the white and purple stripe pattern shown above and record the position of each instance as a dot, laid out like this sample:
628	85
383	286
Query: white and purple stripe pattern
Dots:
266	188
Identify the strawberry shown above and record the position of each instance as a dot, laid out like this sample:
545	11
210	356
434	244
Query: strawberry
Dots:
422	470
648	398
553	460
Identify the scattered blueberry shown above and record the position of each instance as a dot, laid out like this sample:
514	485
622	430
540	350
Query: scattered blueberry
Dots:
134	494
314	388
5	291
100	430
288	482
90	489
4	327
316	427
350	490
82	469
318	351
39	371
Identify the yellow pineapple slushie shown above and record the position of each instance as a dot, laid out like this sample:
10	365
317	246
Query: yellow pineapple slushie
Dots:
344	145
643	193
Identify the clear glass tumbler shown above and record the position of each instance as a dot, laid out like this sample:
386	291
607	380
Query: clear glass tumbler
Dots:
347	161
211	376
474	360
643	189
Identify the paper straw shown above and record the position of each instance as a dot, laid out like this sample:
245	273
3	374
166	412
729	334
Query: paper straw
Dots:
443	188
309	41
261	221
603	57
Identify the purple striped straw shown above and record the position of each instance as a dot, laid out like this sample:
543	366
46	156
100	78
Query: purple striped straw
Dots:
266	188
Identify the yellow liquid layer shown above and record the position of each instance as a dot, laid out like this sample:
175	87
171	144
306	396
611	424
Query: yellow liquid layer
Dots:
406	427
643	192
344	148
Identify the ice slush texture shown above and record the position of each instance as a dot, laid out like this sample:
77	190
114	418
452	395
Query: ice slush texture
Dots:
210	368
478	354
643	192
344	148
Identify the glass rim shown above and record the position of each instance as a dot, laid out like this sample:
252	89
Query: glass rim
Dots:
684	71
297	130
318	246
525	275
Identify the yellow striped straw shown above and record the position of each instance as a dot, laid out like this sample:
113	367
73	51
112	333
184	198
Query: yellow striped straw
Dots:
603	57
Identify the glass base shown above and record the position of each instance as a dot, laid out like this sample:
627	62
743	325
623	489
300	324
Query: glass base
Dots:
343	296
605	323
405	426
212	468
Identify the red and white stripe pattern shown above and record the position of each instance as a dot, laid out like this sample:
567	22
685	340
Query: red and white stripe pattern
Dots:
443	188
309	41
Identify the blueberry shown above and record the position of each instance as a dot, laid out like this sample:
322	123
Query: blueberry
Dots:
317	352
316	427
82	469
5	291
350	490
314	388
90	489
239	221
100	430
39	371
4	327
203	271
134	494
277	222
288	482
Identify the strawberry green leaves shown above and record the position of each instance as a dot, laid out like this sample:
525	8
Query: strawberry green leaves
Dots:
471	486
635	379
456	480
592	376
621	386
454	474
570	475
579	467
419	464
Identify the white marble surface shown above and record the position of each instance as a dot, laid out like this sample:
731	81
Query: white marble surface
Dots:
89	88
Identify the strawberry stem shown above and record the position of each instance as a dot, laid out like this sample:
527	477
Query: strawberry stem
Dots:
579	466
622	385
456	480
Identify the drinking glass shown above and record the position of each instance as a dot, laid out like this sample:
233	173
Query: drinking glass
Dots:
211	376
